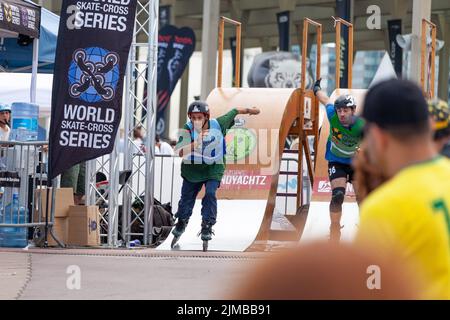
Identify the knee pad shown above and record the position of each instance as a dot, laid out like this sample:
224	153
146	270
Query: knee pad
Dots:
337	199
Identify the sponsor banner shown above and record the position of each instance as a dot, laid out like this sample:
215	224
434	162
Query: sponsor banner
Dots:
343	11
94	41
9	179
164	15
245	179
322	186
21	17
277	69
283	30
175	48
395	51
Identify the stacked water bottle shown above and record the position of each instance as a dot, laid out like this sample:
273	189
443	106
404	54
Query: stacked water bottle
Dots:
25	124
12	213
24	128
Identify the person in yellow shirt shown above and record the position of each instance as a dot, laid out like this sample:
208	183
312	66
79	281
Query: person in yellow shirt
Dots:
440	116
408	215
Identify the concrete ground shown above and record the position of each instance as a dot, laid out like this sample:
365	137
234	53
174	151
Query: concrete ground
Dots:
106	274
15	271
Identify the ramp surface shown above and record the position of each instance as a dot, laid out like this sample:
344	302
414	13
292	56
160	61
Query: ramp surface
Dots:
246	198
236	228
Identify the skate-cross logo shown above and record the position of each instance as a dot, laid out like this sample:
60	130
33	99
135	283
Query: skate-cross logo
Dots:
240	143
8	12
324	187
93	74
92	225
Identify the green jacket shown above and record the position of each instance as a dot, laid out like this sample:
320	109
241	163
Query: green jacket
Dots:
203	172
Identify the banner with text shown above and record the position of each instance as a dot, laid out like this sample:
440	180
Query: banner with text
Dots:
94	41
343	9
395	51
21	17
175	48
283	19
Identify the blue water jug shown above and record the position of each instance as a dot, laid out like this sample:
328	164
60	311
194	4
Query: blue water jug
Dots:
13	237
25	121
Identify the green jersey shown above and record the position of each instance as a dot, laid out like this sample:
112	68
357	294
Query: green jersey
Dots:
342	141
194	172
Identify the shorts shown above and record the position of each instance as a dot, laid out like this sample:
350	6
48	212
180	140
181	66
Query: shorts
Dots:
75	178
338	170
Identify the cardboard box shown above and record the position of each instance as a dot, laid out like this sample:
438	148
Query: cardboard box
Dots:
63	202
60	230
84	228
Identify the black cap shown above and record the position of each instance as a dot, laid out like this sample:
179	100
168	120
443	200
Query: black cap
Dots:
395	103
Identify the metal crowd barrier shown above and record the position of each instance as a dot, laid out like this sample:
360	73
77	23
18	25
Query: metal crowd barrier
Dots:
23	178
167	183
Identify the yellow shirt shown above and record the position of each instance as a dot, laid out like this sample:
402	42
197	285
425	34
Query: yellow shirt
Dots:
409	215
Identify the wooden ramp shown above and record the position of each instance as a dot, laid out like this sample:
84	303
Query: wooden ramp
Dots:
246	198
318	222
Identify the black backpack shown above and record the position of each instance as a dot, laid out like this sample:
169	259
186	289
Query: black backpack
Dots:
163	221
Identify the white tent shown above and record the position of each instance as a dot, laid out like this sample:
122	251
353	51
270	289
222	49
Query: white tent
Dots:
385	71
9	28
15	87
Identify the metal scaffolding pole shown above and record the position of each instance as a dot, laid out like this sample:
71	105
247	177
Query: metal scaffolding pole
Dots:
113	204
151	119
128	156
139	110
96	195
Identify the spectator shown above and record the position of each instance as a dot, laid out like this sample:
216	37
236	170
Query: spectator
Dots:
407	216
440	116
162	147
139	138
5	118
75	178
327	271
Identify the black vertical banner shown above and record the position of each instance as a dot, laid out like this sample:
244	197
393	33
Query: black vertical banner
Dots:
343	10
233	58
283	19
94	41
175	48
164	20
164	16
395	51
165	51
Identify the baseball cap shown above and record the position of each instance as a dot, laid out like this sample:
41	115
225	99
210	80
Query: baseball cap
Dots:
395	103
5	107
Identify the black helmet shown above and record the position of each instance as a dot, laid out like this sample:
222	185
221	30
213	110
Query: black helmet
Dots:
198	107
345	101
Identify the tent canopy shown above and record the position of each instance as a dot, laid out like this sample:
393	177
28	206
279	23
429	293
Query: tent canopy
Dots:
18	58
